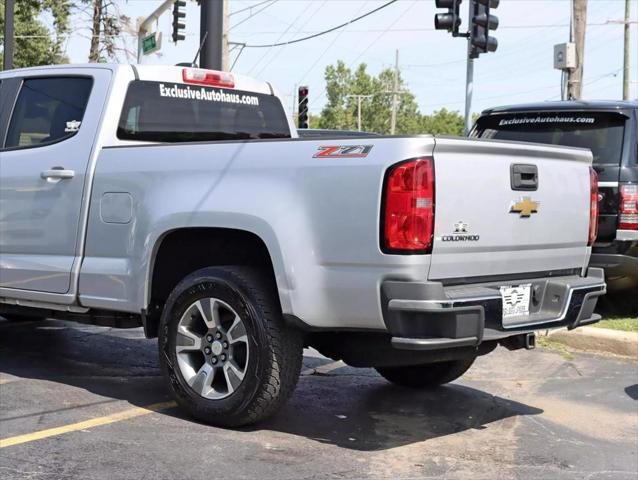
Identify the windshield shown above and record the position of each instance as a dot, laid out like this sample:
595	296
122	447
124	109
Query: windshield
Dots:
169	112
602	133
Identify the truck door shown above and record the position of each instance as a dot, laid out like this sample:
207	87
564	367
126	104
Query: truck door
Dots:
44	163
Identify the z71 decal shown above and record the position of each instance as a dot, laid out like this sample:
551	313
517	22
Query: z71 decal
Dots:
343	151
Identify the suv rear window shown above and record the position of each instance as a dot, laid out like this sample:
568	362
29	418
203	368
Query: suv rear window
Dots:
602	133
170	112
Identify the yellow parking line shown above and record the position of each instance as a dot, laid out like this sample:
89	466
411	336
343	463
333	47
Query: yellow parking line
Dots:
94	422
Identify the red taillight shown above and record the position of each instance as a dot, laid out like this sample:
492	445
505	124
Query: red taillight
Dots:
408	216
628	207
593	206
213	78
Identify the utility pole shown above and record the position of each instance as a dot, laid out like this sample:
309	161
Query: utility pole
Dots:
575	76
625	75
395	92
359	98
7	60
469	80
214	21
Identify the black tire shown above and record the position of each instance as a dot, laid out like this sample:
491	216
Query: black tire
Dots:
428	375
274	364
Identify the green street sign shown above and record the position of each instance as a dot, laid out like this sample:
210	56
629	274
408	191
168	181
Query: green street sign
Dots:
151	43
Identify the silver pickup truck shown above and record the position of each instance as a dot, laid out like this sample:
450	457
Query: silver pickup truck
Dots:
180	200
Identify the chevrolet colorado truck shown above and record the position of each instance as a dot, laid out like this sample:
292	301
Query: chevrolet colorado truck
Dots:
181	200
610	130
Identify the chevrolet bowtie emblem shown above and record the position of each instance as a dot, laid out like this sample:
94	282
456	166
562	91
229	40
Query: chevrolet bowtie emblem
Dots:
525	206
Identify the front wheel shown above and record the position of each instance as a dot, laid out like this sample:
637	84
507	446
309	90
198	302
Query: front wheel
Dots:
427	375
225	350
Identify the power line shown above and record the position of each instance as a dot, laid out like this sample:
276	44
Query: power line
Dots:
263	57
247	8
398	19
613	73
416	30
512	94
272	2
297	40
371	30
328	48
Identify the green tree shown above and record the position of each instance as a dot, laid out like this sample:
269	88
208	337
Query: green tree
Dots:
34	43
442	122
340	112
342	86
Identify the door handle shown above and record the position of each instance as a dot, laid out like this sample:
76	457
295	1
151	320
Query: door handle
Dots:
524	176
57	173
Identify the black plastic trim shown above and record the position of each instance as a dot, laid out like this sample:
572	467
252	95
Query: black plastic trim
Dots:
421	316
518	182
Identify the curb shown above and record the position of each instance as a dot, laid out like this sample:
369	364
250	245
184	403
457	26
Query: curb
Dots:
601	340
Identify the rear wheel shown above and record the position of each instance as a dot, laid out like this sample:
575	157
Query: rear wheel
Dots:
428	375
225	350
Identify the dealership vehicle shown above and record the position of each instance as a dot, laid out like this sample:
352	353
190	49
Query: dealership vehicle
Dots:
180	200
610	130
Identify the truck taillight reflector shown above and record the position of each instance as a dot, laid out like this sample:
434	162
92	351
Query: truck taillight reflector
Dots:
408	207
628	207
593	206
199	76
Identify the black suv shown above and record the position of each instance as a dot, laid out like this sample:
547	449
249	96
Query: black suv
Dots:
610	130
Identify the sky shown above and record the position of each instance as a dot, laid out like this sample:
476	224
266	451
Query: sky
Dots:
432	63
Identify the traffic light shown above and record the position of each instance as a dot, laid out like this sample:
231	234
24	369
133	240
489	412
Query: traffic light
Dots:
450	21
481	22
178	14
302	117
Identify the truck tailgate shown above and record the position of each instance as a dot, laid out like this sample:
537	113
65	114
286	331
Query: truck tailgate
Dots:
485	226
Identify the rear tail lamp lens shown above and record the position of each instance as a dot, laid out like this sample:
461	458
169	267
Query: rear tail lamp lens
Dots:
408	207
628	207
593	206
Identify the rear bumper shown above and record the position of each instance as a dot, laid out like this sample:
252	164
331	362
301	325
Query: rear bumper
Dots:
431	316
619	258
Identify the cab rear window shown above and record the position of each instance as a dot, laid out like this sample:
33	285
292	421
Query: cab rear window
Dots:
170	112
602	133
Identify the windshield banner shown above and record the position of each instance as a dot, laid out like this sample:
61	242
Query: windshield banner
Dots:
538	119
210	95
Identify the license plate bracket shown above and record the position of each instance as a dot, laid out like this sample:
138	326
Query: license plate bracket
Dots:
515	301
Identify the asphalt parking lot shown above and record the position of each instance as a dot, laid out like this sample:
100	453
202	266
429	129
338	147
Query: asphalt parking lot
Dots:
86	402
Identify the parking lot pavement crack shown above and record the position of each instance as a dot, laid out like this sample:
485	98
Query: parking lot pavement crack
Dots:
573	365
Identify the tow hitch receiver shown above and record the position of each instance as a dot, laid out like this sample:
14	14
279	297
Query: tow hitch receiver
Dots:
524	340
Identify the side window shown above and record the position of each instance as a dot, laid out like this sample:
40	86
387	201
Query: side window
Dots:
48	110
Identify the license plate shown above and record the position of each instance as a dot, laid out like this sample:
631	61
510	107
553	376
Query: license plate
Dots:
516	300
